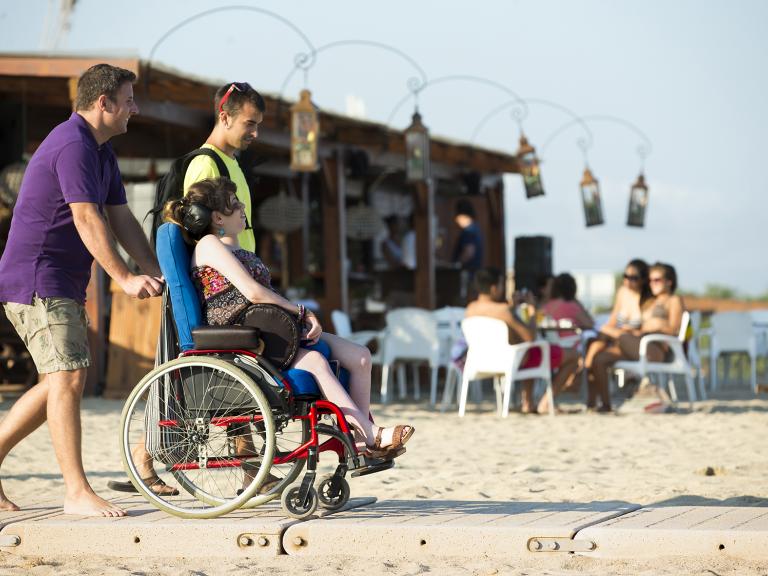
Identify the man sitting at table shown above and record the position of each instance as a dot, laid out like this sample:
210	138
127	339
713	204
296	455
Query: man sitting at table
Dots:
491	303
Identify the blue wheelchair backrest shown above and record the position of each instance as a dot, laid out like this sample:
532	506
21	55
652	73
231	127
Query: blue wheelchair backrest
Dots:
174	256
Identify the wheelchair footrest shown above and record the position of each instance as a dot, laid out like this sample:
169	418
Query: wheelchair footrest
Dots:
373	467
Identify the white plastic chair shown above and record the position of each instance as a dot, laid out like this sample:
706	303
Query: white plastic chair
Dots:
760	327
411	335
678	366
732	332
694	354
491	355
448	329
343	328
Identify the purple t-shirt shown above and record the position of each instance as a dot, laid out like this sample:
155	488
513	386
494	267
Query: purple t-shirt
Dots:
44	254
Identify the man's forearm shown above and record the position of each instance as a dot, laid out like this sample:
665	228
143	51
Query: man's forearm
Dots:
95	235
131	237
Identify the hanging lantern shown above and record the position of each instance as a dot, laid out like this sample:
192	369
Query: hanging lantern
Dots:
638	201
416	151
529	168
590	197
305	129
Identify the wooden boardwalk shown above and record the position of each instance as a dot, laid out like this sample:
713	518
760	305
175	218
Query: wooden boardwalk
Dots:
418	529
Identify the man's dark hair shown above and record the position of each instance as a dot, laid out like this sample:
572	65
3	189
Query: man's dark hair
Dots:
465	207
240	93
564	287
486	278
100	79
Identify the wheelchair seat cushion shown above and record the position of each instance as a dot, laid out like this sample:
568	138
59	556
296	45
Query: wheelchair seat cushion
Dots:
303	383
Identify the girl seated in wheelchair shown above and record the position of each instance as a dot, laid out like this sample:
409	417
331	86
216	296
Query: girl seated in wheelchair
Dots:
230	279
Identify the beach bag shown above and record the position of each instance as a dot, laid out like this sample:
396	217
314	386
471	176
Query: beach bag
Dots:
649	399
280	332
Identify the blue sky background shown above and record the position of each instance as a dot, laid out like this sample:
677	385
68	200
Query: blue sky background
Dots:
691	74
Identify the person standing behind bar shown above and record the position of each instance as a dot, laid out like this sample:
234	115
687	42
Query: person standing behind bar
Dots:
71	197
239	110
468	251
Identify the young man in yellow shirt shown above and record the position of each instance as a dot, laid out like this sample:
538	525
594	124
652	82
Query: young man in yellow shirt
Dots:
239	110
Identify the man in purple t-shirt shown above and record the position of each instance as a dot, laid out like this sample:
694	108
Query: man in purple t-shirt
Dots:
70	205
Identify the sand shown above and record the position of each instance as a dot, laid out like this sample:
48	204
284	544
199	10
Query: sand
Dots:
715	455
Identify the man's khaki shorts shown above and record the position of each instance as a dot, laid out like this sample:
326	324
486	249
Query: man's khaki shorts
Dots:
54	330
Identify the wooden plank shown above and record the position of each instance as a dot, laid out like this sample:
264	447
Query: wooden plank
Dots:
65	67
695	531
419	529
147	532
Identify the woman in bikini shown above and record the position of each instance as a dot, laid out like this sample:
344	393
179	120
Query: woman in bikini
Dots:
660	315
626	318
229	279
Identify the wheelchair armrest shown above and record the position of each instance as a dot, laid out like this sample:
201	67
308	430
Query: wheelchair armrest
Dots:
226	337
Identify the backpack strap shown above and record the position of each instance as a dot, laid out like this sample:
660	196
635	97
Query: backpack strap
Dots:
212	154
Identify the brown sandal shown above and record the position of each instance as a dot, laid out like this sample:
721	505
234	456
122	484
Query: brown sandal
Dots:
400	435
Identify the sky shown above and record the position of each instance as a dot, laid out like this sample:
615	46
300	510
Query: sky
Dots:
688	74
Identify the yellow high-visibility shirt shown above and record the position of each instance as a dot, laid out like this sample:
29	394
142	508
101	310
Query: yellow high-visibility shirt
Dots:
203	167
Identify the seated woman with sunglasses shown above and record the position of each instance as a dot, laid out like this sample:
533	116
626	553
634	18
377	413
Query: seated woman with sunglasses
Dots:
230	278
625	318
661	314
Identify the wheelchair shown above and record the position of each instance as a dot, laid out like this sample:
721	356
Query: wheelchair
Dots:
223	428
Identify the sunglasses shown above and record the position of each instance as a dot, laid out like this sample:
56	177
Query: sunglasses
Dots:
656	280
631	277
239	86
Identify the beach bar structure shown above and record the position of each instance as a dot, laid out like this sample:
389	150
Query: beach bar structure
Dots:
331	255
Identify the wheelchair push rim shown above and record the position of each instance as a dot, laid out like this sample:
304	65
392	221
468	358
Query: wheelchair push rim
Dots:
211	433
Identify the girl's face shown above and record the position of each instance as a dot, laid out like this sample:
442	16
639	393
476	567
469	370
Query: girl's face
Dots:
231	224
632	278
659	283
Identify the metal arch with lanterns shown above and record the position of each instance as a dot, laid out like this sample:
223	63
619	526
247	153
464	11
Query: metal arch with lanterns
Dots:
530	163
589	185
305	121
417	134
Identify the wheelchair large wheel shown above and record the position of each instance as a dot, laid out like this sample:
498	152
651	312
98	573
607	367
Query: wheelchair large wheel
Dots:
289	435
208	431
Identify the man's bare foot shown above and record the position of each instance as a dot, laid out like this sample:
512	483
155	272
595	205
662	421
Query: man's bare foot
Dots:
89	504
5	504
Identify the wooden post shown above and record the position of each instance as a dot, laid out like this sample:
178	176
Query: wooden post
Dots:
495	233
334	237
424	281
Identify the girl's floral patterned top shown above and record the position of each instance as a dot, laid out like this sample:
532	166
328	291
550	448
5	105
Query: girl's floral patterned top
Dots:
222	302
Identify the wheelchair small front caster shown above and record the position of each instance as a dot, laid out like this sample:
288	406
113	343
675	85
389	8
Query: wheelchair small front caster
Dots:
293	505
333	492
